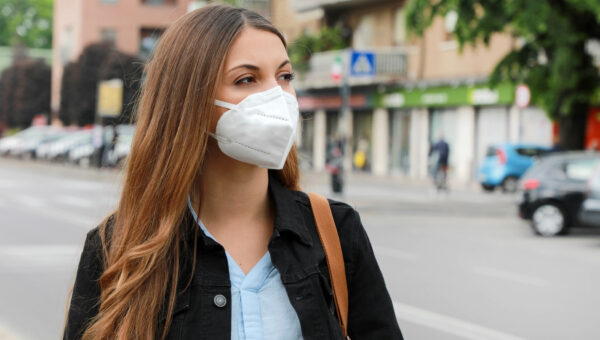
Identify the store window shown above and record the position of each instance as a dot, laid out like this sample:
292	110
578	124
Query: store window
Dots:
443	123
362	127
399	148
305	147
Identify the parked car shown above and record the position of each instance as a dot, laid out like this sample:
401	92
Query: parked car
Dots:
58	150
84	153
25	143
504	165
554	189
589	213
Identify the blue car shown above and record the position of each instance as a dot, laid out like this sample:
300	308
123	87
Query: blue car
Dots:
505	163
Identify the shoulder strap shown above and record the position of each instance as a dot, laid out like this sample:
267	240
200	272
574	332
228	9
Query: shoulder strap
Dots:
333	253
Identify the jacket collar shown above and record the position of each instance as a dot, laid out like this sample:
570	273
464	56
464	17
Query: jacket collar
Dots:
288	217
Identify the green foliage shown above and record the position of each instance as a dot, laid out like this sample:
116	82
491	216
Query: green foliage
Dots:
327	39
26	21
549	52
24	92
79	87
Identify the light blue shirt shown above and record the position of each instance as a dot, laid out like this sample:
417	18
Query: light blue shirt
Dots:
260	308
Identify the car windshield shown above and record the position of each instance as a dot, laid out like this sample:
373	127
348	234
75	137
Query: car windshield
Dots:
491	151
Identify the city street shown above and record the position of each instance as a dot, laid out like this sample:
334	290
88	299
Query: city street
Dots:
460	265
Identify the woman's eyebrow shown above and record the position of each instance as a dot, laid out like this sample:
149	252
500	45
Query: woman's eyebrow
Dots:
254	67
248	66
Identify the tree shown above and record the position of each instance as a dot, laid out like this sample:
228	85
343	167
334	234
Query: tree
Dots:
26	21
68	87
549	54
327	39
85	93
25	92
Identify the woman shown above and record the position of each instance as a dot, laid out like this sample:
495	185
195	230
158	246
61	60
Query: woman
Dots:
211	239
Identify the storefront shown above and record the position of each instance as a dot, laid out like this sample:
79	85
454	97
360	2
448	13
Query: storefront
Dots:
469	118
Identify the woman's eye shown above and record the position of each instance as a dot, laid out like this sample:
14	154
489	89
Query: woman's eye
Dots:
288	76
246	80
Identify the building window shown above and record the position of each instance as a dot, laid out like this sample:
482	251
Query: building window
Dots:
159	2
108	35
148	40
399	27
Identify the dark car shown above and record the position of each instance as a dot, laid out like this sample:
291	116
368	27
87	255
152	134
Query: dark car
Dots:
589	214
554	189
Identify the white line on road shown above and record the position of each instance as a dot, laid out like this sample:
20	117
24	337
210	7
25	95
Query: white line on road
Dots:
448	324
511	276
395	253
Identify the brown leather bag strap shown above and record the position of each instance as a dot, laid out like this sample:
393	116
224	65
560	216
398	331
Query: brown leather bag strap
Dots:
330	241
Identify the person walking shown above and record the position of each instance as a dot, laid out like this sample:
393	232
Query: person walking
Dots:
212	237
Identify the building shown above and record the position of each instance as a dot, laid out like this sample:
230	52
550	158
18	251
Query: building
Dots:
420	89
133	26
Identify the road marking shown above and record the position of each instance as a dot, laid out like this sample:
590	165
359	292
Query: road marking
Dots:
448	324
30	201
511	276
74	201
395	253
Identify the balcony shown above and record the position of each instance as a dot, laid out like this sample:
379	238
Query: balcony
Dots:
307	5
390	67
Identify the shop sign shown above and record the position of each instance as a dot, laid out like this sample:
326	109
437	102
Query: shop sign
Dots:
503	94
483	96
394	100
110	98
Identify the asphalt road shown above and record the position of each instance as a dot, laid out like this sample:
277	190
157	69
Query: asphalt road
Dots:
458	265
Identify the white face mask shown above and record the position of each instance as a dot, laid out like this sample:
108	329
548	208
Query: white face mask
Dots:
260	130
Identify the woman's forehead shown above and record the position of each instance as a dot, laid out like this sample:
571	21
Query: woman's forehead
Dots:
255	46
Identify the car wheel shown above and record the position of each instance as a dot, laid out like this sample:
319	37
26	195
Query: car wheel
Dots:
510	184
549	220
487	187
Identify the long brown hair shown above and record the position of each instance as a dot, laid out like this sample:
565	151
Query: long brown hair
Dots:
175	110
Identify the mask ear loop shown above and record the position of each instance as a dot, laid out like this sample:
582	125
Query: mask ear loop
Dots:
224	104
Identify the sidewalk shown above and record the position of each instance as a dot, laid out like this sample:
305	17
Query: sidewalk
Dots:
312	178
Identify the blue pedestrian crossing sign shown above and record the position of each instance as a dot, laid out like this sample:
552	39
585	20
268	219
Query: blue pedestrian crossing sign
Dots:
362	63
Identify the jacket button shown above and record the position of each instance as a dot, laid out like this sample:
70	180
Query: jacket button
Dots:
220	300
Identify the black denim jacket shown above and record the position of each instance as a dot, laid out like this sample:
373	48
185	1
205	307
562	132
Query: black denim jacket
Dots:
295	251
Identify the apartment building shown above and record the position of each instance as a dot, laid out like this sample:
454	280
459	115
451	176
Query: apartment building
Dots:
419	89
